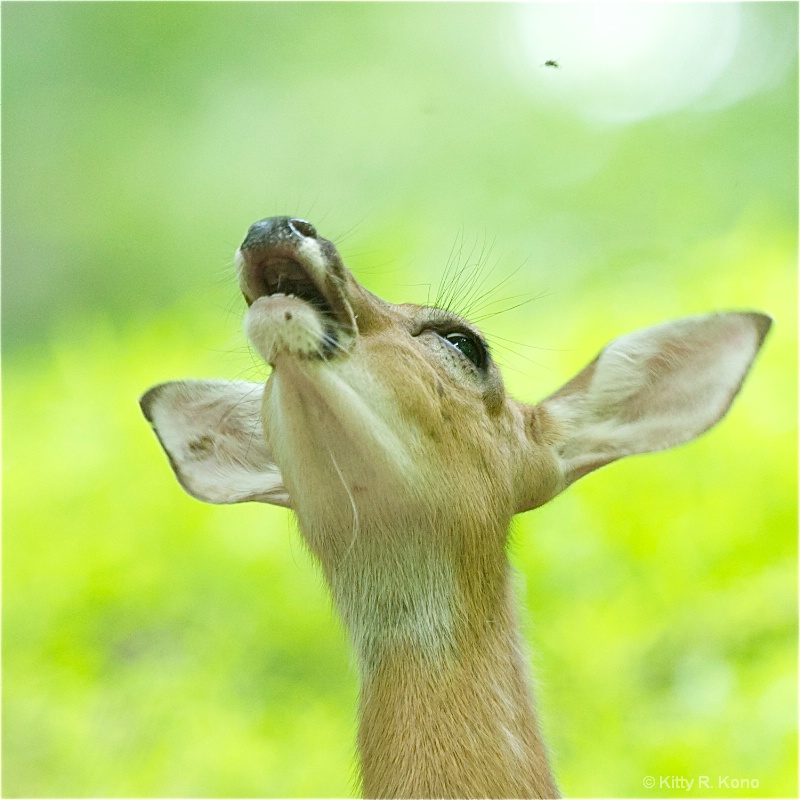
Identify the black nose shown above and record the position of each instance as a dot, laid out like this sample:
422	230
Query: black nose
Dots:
277	230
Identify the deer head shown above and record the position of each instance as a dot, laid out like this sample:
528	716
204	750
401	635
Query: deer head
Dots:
380	410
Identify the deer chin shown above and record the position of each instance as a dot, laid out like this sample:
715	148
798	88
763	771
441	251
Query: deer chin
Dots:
280	324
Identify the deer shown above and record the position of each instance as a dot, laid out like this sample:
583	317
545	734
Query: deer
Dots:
387	431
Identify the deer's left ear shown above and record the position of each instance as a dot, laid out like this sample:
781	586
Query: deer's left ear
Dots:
651	389
213	437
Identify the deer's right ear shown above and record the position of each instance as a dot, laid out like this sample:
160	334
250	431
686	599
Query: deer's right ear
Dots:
651	389
212	434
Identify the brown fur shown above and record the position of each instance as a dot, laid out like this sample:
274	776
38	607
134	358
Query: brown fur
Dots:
462	727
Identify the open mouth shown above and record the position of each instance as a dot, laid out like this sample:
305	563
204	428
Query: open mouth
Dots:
273	275
284	265
277	273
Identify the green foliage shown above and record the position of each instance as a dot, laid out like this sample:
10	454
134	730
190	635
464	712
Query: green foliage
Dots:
154	646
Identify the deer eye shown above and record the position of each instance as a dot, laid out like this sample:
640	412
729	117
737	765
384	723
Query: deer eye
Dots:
469	345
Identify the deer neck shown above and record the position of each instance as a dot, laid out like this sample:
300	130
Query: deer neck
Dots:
446	708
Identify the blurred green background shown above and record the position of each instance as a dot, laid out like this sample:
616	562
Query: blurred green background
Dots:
155	646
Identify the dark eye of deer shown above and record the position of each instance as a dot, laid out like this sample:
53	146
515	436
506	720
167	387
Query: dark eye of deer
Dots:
469	346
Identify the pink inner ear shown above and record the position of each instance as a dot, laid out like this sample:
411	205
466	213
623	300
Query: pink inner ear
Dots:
211	432
654	389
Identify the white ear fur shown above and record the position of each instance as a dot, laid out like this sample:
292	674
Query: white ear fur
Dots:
654	388
212	434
